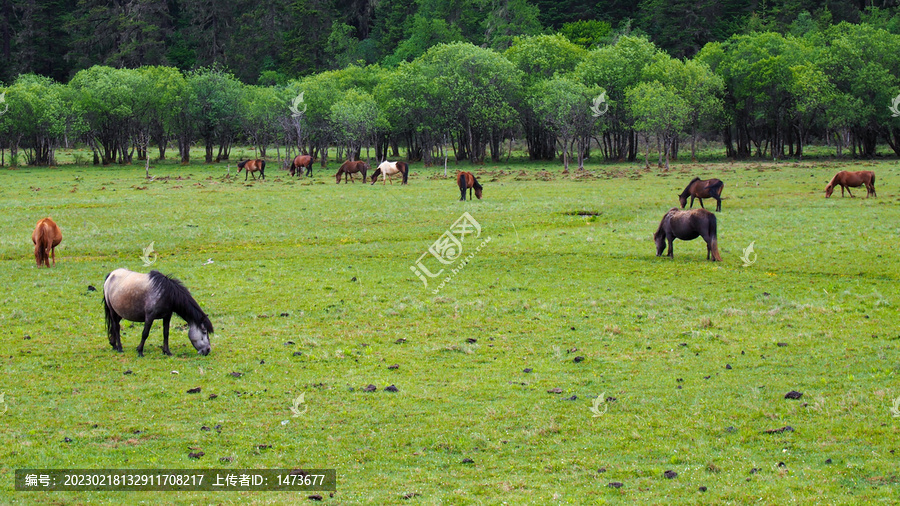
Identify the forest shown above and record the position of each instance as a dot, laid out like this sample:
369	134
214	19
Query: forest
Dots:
445	78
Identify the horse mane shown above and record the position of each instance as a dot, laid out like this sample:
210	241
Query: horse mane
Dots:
241	164
659	230
475	183
687	188
183	303
835	178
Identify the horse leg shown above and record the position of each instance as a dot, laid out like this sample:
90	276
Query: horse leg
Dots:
701	203
115	333
671	240
53	252
848	191
718	204
166	320
144	335
692	202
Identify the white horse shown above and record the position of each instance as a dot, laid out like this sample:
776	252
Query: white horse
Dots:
388	169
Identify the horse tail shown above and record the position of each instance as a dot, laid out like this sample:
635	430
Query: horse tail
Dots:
108	312
38	238
713	239
404	168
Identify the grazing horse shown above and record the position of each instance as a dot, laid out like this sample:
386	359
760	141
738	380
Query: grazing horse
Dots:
467	181
702	189
688	225
348	168
852	180
146	297
252	166
388	169
301	162
46	237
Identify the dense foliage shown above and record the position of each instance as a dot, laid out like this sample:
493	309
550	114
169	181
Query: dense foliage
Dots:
271	41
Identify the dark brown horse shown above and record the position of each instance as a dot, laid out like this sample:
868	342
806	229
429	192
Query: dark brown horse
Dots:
688	225
46	237
252	166
302	162
702	189
388	169
852	180
467	181
348	168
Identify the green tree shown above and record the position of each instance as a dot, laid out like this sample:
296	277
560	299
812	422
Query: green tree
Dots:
478	94
564	104
109	100
540	58
217	114
587	33
509	19
615	69
697	85
39	117
659	110
355	119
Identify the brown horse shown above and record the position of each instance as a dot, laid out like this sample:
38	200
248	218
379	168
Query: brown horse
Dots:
688	225
348	168
46	237
702	189
252	166
467	181
388	169
302	162
852	180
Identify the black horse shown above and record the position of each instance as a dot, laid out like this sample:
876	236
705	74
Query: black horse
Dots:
146	297
702	189
688	225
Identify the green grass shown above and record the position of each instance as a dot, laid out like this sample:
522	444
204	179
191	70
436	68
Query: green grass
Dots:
656	335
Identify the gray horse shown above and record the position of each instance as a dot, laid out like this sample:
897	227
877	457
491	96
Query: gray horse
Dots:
146	297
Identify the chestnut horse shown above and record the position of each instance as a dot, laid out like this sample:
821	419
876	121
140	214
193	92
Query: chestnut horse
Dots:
688	225
702	189
852	180
252	166
348	168
302	162
467	181
388	169
46	237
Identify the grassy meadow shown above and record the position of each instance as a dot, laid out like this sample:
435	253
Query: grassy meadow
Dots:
310	290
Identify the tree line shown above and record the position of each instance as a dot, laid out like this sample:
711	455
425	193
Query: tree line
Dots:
763	94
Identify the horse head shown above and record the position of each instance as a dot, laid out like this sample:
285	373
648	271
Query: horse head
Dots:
682	198
199	336
660	238
829	190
